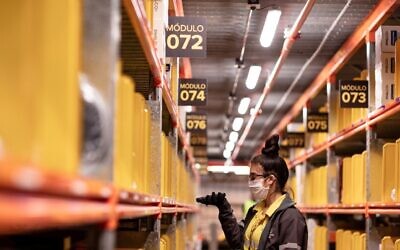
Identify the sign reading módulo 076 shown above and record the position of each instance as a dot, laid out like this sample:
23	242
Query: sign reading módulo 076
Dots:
186	37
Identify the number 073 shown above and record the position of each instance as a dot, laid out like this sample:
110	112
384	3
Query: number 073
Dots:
354	97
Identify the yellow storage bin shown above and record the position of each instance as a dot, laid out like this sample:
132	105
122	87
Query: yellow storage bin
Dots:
397	169
346	181
377	173
339	239
39	65
389	170
387	243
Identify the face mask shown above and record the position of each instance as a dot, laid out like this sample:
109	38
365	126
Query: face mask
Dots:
258	190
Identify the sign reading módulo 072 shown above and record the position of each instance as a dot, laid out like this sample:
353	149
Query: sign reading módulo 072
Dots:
186	37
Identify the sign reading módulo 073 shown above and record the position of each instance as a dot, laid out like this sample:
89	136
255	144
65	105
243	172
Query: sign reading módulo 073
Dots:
353	94
186	37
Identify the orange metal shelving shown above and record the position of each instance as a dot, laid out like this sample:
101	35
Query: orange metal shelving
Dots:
141	26
366	209
373	118
379	14
26	212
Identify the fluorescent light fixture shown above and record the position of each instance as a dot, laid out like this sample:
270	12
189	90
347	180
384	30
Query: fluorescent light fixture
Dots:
238	170
197	165
269	29
229	146
233	136
227	154
244	105
252	77
237	123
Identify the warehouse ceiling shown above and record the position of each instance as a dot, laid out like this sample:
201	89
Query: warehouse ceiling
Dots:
226	27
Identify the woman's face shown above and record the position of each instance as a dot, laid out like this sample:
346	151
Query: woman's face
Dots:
256	171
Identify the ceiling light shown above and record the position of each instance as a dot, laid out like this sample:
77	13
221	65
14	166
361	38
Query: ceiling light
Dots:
269	29
233	136
252	77
237	123
229	146
227	153
244	105
238	170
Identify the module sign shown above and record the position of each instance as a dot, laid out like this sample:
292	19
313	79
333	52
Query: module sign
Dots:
200	152
192	92
353	94
317	123
293	140
196	122
186	37
198	139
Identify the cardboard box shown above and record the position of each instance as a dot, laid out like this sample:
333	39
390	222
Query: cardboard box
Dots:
384	78
385	39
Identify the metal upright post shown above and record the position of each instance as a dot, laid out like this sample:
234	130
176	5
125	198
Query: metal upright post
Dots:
371	140
101	38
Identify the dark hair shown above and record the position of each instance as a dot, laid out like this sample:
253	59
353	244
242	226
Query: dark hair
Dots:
271	162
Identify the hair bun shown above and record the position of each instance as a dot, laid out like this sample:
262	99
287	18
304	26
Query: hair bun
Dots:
271	148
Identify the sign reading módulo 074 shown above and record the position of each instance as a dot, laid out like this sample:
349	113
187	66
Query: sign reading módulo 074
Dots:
186	37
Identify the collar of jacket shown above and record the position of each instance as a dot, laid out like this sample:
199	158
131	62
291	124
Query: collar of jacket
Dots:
286	203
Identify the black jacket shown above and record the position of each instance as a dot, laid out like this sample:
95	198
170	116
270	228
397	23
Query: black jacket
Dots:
286	229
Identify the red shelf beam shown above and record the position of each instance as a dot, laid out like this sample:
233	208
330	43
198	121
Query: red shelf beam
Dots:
131	211
373	118
35	180
23	213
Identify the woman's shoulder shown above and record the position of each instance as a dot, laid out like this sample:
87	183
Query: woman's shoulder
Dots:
292	213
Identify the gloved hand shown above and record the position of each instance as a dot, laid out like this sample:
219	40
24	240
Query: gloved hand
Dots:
216	199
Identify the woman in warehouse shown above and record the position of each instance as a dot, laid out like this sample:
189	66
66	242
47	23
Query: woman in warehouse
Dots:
273	222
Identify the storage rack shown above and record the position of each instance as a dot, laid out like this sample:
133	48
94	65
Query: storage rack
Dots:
365	127
35	199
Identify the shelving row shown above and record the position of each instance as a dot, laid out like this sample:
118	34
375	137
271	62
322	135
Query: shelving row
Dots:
346	180
90	130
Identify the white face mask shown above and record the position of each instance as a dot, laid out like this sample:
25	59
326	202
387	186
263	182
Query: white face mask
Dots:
258	190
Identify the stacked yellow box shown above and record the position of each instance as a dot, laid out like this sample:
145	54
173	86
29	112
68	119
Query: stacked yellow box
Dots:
387	243
353	179
321	238
377	173
148	7
166	166
397	245
123	162
165	242
388	173
39	89
346	180
292	186
316	187
397	168
141	142
346	240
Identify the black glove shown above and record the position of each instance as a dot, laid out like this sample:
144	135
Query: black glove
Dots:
216	199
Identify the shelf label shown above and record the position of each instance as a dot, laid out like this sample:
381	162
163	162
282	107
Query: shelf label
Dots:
293	140
200	152
192	92
186	37
198	139
317	123
353	94
196	122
